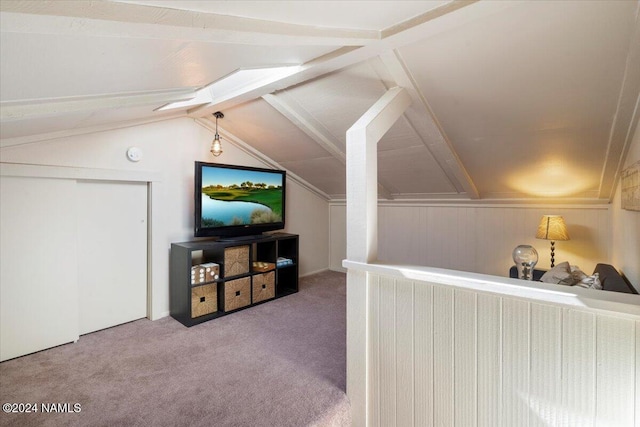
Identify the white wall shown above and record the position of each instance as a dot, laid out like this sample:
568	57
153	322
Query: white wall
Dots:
478	238
626	226
169	151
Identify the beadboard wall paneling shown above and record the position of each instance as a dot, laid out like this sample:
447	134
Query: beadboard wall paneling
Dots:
405	355
579	357
443	378
515	362
440	355
615	348
478	238
545	382
423	355
489	360
465	373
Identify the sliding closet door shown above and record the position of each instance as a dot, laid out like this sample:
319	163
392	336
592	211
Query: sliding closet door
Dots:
38	274
112	253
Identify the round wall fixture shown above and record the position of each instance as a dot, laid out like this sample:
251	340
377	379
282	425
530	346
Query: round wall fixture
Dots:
134	154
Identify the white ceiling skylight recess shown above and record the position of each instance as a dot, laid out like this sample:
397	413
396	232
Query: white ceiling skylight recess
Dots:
235	84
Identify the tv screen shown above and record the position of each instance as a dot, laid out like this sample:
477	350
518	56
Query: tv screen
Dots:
238	200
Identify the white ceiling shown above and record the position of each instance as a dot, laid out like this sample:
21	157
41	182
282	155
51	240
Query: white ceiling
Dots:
511	100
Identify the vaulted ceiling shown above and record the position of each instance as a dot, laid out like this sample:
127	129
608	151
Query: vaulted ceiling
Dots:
512	100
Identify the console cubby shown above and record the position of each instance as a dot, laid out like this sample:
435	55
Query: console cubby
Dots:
287	274
212	278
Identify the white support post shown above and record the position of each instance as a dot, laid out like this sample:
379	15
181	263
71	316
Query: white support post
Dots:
362	234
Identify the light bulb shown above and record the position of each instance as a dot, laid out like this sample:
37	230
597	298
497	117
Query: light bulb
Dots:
216	147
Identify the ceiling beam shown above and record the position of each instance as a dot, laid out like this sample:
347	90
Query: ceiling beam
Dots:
124	20
113	19
428	25
452	6
426	125
16	110
286	105
625	119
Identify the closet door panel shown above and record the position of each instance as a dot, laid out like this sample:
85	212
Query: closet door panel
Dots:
38	273
112	253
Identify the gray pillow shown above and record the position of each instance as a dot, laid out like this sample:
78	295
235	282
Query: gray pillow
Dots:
569	275
560	274
590	282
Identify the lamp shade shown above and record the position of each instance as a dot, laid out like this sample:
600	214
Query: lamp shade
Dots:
552	227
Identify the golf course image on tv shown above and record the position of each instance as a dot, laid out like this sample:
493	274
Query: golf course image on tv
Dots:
240	197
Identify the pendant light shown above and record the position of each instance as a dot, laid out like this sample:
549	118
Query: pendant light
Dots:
216	147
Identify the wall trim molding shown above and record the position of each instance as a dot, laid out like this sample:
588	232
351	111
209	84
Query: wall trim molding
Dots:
71	172
533	204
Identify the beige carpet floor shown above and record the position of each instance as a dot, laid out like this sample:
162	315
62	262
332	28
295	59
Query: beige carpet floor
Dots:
281	364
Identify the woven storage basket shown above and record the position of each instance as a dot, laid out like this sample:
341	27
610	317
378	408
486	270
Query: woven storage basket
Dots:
264	286
237	293
204	300
236	260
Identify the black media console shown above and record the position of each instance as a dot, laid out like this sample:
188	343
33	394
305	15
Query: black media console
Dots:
212	278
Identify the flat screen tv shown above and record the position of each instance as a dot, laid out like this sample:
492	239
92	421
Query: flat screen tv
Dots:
233	201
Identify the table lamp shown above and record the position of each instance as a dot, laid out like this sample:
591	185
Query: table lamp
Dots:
552	227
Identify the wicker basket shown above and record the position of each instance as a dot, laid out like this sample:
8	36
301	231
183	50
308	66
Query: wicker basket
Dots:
237	293
264	286
236	260
204	300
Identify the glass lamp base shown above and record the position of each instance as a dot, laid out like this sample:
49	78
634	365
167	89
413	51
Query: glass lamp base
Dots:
526	258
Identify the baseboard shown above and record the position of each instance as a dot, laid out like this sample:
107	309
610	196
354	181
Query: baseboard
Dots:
160	316
314	272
